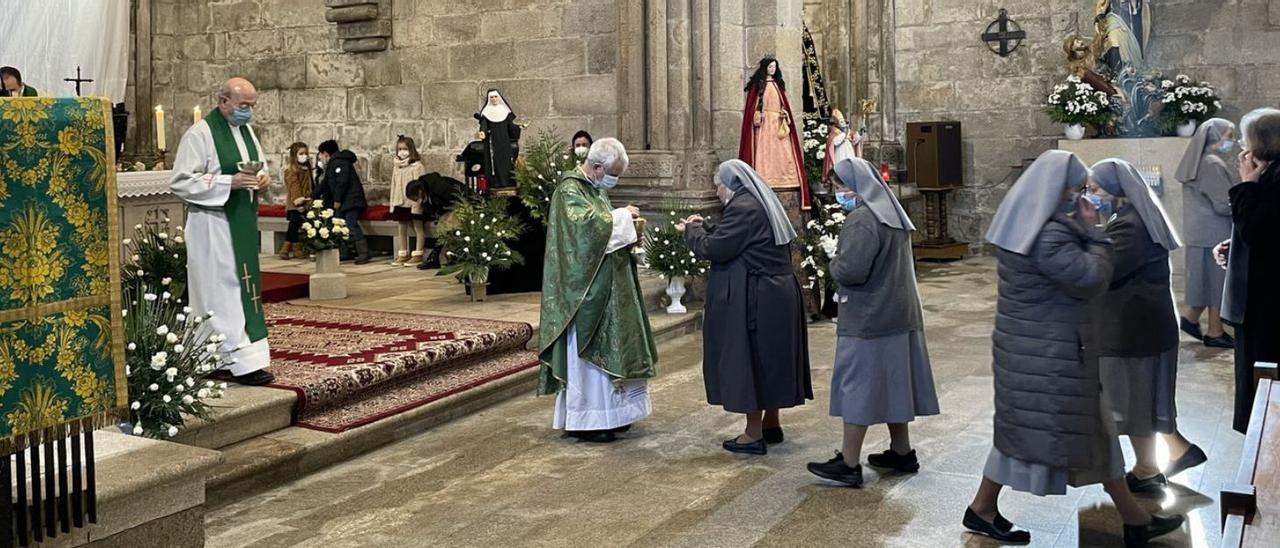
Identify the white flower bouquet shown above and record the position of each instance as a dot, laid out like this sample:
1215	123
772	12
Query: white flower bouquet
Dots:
666	250
1077	102
321	229
479	239
1187	101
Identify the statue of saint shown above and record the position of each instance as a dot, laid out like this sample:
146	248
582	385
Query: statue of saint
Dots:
1082	62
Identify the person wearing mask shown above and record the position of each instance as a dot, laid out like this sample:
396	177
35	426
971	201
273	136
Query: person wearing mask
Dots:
341	190
1052	426
298	186
13	86
755	345
882	373
1137	330
405	210
580	144
1206	219
1252	302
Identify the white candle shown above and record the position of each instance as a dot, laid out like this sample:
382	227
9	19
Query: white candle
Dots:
160	143
196	115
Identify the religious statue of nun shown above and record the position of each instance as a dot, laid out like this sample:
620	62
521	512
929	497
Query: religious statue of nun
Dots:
501	138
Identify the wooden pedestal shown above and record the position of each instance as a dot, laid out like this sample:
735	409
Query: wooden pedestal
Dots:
938	244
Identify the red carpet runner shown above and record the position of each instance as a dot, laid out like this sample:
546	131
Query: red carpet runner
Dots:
278	287
353	367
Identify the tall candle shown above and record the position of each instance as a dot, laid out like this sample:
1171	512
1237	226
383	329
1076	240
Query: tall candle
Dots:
196	115
160	142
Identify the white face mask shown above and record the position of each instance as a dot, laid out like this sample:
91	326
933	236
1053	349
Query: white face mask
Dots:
581	151
402	154
303	158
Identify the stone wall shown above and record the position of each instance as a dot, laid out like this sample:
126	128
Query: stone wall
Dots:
554	60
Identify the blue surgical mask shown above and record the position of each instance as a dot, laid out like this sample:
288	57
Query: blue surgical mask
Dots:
847	200
241	116
607	182
1227	146
1103	206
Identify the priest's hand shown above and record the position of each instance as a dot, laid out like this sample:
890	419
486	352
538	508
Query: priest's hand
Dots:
264	181
245	180
635	211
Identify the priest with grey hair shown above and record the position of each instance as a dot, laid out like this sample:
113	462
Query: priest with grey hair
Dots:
595	346
755	347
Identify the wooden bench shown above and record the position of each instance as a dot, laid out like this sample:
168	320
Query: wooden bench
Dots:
1257	481
272	226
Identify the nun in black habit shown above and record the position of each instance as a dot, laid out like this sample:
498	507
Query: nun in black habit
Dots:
502	140
755	347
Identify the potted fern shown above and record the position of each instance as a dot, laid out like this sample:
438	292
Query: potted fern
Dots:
477	242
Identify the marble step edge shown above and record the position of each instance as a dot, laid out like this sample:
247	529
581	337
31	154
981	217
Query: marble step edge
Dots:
276	458
141	480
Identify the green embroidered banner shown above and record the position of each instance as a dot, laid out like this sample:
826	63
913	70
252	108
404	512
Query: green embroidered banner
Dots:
61	340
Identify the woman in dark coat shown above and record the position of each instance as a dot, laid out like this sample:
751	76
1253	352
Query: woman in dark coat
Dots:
882	373
1206	220
1052	427
1137	328
1255	259
755	347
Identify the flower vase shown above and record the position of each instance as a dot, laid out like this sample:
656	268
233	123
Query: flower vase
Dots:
328	282
675	290
479	284
1187	128
1075	132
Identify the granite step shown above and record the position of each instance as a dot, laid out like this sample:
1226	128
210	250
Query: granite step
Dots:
264	460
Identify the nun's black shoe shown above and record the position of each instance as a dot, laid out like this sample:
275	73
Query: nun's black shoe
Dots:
1192	458
892	460
1153	485
1222	341
773	435
594	436
1137	536
836	470
1000	529
757	447
1192	328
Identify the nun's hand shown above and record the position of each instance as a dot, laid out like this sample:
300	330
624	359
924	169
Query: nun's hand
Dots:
693	219
680	226
1087	213
635	211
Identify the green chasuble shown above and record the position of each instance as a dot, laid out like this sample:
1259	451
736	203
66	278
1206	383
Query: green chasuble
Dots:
28	91
242	216
596	293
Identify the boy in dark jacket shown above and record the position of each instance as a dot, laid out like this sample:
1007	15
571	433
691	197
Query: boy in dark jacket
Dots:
341	189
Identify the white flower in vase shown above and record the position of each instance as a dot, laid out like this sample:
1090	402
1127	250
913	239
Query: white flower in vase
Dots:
162	330
132	346
173	431
137	429
149	297
153	387
187	399
203	393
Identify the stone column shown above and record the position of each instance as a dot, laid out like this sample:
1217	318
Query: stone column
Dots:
657	67
631	72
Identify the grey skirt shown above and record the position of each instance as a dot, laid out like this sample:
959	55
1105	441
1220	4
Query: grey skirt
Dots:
1141	392
882	380
1204	278
1042	479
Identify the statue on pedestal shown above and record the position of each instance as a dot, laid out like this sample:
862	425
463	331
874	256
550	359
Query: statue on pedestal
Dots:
502	140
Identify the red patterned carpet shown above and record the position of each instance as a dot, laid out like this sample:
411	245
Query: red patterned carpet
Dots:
353	367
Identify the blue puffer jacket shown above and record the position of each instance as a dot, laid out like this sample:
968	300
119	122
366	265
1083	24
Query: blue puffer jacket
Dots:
1045	363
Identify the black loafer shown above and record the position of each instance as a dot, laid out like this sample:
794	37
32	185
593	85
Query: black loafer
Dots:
1001	530
773	435
836	470
594	436
1222	341
1153	485
1191	328
256	378
757	447
1192	458
1136	536
889	459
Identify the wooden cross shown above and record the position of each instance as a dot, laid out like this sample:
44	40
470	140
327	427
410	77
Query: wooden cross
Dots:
999	32
78	80
251	288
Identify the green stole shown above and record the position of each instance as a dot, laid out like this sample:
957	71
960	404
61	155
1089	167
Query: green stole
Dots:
28	91
242	218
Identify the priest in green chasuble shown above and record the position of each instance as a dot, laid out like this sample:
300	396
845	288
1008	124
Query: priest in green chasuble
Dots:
222	227
594	342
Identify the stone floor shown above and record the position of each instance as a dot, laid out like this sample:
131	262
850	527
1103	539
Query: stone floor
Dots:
503	478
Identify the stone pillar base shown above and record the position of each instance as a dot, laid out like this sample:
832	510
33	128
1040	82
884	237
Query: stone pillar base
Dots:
328	287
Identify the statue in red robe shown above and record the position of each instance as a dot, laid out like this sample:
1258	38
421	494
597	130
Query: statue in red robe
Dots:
770	143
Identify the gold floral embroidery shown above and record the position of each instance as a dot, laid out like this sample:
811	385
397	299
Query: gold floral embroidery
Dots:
33	262
38	406
69	141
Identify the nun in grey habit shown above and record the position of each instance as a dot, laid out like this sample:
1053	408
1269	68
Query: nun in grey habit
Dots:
1052	427
882	373
755	346
1137	329
1206	221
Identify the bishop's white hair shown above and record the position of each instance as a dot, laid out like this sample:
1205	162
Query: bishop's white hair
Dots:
1248	120
609	153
